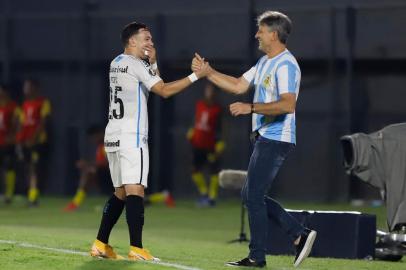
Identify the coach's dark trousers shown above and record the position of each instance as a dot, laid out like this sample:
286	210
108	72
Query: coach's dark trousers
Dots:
265	161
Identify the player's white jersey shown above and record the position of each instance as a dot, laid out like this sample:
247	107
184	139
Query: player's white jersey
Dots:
131	80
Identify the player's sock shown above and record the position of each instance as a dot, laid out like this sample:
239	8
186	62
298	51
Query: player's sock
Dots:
10	183
214	186
157	197
111	213
33	194
198	178
135	219
79	197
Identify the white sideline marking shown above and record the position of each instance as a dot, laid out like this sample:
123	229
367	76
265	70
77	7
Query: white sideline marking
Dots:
81	253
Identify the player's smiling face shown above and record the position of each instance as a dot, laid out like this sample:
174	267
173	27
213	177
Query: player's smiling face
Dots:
265	37
143	40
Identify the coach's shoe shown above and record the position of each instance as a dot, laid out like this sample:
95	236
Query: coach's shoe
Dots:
102	250
247	262
305	246
142	254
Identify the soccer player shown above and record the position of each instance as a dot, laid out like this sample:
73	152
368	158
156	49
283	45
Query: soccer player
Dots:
207	146
276	79
133	75
95	170
9	112
32	135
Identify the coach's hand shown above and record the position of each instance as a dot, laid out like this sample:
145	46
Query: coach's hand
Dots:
239	108
203	70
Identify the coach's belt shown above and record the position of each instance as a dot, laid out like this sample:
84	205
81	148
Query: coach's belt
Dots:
254	136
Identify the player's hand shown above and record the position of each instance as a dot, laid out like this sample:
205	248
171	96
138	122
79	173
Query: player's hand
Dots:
197	62
239	108
189	134
150	52
212	157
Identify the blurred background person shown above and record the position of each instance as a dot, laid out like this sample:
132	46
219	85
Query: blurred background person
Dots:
205	138
9	112
94	171
163	196
32	135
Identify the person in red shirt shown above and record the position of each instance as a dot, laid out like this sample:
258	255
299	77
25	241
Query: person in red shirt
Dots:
207	146
92	171
8	126
32	136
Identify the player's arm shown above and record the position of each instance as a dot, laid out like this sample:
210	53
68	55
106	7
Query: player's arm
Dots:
228	83
44	115
169	89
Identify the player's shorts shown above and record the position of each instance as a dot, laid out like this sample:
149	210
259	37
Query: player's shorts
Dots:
33	154
200	160
7	157
129	166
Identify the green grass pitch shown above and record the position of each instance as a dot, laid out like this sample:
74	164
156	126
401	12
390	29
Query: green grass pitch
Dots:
186	236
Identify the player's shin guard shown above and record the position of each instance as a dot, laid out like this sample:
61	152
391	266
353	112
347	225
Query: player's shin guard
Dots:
214	186
111	213
33	194
10	183
198	178
79	197
135	219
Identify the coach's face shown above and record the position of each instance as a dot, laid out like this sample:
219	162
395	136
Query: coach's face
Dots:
265	38
143	42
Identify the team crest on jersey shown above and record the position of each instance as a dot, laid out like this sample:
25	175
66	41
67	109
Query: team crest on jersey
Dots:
268	82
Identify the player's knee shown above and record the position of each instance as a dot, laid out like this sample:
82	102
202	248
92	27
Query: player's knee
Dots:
120	193
133	189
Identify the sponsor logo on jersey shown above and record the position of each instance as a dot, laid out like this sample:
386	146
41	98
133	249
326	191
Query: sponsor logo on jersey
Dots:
112	144
119	69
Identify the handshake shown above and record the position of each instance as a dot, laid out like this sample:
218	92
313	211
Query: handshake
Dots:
200	67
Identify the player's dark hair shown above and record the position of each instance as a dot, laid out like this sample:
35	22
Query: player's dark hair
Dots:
276	21
129	30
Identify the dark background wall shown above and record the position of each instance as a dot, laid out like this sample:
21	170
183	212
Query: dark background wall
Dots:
353	75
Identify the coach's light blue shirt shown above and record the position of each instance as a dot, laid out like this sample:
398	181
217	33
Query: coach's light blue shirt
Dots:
272	77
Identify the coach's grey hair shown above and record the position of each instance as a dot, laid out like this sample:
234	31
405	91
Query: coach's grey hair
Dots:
276	21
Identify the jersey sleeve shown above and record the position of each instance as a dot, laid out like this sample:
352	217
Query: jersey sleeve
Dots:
145	74
288	77
45	108
250	75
